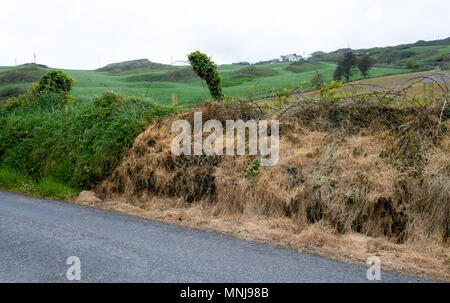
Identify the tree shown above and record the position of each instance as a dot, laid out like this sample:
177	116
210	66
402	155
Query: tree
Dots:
411	64
339	71
207	70
446	62
364	64
318	80
348	62
345	66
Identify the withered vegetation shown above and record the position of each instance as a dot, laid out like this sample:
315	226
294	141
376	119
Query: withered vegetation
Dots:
369	163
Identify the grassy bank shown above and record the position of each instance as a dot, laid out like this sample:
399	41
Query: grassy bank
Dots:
55	148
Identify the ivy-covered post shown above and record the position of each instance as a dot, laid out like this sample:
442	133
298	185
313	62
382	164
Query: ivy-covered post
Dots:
207	70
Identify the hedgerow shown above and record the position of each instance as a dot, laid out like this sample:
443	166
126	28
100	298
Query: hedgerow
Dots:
78	143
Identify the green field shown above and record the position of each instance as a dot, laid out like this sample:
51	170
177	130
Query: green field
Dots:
157	84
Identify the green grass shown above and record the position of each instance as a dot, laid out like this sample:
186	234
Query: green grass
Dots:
253	72
427	54
15	81
127	66
11	179
76	144
302	66
441	52
420	49
236	83
178	75
157	85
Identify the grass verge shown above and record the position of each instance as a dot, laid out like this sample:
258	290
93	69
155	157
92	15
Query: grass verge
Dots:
48	187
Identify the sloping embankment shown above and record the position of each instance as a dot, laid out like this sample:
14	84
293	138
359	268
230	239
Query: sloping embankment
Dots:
354	180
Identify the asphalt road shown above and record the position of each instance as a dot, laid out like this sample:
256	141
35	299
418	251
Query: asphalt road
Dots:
37	236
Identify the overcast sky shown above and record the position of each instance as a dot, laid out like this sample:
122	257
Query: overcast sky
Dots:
77	34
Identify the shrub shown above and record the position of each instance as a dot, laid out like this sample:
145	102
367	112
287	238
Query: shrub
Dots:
317	80
108	98
207	70
365	64
12	92
14	102
55	81
348	62
411	64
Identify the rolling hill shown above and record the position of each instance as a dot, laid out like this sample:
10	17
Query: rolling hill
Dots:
426	53
158	81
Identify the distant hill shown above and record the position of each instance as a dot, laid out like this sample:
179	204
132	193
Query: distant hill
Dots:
426	53
302	65
179	75
26	73
254	71
131	65
159	81
34	65
15	81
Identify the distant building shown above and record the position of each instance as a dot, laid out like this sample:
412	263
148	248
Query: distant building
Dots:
290	58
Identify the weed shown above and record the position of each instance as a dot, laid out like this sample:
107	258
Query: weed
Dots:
253	170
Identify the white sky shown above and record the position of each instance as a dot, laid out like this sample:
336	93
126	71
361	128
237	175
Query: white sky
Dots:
76	33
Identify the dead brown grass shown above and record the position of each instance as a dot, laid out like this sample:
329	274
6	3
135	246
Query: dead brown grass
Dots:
354	180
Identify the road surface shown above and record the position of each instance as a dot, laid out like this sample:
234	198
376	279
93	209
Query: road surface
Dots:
38	236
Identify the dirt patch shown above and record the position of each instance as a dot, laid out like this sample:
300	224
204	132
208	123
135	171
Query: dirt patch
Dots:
88	197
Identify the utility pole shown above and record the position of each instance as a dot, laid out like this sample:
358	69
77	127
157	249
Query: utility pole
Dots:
15	61
34	58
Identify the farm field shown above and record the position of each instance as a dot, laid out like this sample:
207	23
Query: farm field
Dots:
158	82
158	86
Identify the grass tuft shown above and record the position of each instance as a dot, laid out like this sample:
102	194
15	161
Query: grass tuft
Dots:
11	179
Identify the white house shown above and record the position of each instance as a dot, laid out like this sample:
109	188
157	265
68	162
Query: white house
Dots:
290	58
